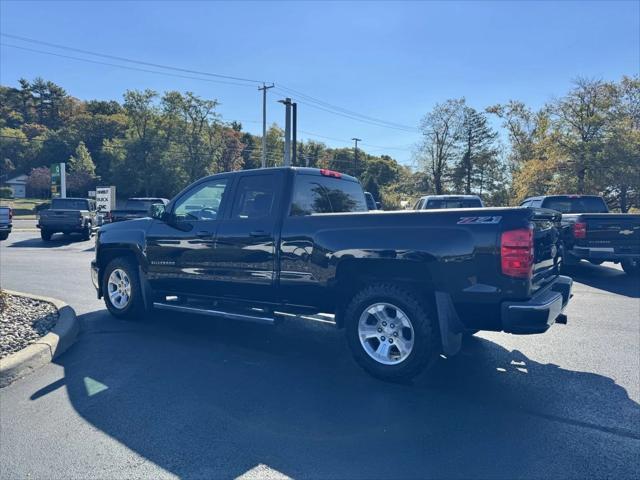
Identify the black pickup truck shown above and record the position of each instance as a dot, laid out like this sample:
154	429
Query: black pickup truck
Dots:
591	233
407	285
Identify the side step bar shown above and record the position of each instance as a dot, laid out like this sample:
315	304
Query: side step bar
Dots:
214	313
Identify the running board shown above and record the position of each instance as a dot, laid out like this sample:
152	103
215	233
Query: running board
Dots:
214	313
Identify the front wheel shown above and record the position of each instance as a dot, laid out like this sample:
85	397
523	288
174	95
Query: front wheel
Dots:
121	289
45	235
391	332
631	267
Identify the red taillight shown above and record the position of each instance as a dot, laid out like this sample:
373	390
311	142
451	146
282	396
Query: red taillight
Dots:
516	252
579	230
330	173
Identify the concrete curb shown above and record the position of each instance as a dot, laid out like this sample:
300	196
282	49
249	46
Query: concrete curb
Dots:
41	352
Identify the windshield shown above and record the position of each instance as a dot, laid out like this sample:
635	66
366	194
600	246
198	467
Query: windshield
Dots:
69	204
576	204
454	203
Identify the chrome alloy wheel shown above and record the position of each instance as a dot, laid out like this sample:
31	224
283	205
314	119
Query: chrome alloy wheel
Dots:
119	288
386	333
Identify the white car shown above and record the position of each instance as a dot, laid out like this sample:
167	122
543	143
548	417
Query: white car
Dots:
429	202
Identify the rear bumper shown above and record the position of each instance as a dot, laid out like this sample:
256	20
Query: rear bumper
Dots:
62	228
604	254
537	314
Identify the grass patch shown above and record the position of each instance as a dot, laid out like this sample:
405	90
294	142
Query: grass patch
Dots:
24	207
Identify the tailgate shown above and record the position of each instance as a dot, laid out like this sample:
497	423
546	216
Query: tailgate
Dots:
618	231
546	245
60	217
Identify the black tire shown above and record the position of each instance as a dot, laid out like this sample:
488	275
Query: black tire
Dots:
86	233
45	235
4	235
631	267
134	307
423	321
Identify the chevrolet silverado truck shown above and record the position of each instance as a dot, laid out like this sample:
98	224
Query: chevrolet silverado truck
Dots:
405	286
6	215
591	233
68	215
137	207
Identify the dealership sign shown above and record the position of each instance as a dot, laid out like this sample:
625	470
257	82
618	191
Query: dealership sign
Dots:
105	198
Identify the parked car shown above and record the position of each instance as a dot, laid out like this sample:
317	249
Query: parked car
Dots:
6	215
405	285
68	215
137	207
430	202
592	233
371	202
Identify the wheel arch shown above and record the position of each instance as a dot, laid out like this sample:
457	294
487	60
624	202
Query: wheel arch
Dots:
352	275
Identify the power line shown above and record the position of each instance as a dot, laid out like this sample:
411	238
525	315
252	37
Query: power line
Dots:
310	100
98	62
129	60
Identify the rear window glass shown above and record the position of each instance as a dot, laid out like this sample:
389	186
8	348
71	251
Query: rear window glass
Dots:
576	204
452	203
314	194
69	204
139	204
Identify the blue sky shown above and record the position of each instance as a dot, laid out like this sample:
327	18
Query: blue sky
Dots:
386	60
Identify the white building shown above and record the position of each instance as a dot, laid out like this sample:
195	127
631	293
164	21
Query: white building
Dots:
18	185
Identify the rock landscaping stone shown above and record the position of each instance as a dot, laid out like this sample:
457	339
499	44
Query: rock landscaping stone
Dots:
23	321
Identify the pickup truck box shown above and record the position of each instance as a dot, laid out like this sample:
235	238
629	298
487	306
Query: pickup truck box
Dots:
591	233
5	222
135	208
68	215
407	285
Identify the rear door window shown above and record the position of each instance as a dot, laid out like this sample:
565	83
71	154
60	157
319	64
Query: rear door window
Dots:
315	194
576	204
255	196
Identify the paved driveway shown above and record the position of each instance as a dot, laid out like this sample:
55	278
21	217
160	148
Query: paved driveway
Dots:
184	396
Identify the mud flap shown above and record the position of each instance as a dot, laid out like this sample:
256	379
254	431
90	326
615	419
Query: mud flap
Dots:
450	326
147	292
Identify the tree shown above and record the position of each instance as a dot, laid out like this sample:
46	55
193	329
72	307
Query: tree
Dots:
478	151
39	182
580	120
231	157
81	161
441	133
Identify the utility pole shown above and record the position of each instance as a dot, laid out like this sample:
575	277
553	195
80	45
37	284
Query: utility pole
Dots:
264	89
287	131
355	155
295	133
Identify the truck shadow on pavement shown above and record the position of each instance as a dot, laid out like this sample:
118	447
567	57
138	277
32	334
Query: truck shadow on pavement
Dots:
56	241
210	399
607	278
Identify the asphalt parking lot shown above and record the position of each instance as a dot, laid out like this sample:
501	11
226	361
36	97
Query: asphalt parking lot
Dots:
182	396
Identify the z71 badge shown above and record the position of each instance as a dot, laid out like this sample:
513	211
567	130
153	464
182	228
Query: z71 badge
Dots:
477	220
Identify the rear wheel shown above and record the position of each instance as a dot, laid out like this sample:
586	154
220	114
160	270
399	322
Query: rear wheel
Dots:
4	235
391	332
45	235
631	267
86	233
121	289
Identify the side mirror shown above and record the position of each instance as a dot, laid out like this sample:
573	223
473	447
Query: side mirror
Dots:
158	211
378	205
